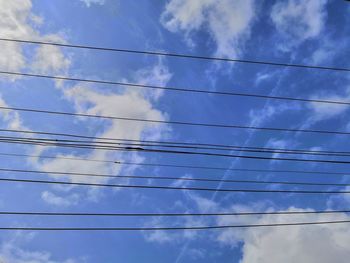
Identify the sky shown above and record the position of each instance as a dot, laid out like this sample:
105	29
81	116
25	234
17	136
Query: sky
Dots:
313	32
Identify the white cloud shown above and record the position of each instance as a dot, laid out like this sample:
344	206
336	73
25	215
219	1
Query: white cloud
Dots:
14	23
323	54
192	202
298	20
324	111
262	77
54	199
11	252
50	59
270	112
279	144
160	237
128	103
157	75
321	244
12	118
227	22
18	21
164	237
88	3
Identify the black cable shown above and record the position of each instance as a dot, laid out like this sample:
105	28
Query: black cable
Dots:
175	187
173	214
169	228
172	144
213	125
171	178
172	165
139	149
184	145
199	91
125	147
169	54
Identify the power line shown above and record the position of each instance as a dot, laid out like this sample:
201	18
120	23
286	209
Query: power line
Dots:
173	214
213	125
173	165
134	146
170	228
171	178
172	144
198	91
174	187
139	149
178	55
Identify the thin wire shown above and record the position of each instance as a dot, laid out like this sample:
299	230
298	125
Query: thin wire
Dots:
213	125
172	165
172	214
170	143
139	149
199	91
175	188
178	55
170	228
170	178
124	146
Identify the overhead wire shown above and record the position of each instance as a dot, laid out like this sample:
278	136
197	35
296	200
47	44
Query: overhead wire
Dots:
171	228
116	162
153	187
178	55
198	124
170	144
198	91
194	179
59	142
140	149
173	144
186	214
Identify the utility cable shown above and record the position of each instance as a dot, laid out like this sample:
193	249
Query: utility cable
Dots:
186	90
177	55
175	187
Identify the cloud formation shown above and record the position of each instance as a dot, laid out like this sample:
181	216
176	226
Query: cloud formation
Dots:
89	3
227	22
128	103
325	111
297	21
313	244
11	252
18	21
50	59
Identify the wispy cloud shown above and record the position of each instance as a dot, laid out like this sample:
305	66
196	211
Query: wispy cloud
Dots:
18	21
323	244
89	3
11	251
227	22
135	104
86	99
324	111
297	21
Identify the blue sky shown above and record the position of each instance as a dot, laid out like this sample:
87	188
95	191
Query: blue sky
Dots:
302	32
